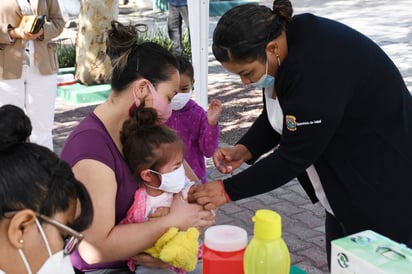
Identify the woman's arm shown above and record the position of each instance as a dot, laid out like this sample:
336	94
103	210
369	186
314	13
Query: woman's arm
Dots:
106	241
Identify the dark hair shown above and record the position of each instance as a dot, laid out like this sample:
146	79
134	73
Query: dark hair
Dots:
185	66
146	141
131	60
32	176
14	126
243	32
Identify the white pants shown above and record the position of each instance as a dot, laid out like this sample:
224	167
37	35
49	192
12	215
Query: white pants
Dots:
36	95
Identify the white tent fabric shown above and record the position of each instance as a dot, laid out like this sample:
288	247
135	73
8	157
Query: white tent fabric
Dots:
199	39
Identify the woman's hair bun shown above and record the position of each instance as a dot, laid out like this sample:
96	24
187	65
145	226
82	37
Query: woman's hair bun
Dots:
142	120
145	117
122	40
15	126
283	10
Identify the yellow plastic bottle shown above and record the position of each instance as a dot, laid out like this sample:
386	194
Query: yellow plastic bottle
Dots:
267	252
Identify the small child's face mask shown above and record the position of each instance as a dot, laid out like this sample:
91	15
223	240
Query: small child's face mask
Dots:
180	100
173	181
185	92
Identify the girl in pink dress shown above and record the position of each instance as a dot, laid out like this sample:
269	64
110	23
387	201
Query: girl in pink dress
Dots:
155	155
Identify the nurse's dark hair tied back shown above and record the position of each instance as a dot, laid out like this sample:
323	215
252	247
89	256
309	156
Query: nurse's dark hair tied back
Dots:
243	32
283	10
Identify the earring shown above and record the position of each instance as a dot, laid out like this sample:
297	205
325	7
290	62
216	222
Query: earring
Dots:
278	58
21	241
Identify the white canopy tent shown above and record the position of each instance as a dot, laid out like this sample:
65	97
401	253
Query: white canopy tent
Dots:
199	39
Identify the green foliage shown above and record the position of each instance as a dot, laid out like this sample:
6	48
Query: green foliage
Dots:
161	37
66	54
187	49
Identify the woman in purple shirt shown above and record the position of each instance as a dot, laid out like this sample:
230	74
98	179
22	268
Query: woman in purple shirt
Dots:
142	73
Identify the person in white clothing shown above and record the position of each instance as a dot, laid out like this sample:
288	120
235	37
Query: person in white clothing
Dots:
29	64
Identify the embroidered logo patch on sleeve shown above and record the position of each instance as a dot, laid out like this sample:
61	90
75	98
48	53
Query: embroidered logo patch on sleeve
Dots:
290	122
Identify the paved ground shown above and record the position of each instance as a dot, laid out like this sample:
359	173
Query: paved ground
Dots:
388	23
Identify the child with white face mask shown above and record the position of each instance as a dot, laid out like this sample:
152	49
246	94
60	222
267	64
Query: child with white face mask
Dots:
155	156
199	129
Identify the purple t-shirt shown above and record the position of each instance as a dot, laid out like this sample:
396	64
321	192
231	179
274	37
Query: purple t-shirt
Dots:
90	140
200	139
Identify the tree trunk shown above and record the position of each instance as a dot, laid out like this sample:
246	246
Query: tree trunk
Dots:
92	64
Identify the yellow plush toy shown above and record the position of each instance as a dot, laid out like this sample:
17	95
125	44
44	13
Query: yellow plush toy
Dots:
178	248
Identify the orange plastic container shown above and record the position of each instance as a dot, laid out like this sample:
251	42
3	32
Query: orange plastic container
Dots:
223	249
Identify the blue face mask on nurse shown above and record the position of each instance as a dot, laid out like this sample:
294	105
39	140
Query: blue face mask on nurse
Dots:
265	81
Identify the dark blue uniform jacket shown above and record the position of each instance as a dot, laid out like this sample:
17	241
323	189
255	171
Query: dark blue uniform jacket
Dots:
347	110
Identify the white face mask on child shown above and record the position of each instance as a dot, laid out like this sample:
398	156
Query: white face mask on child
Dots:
172	182
180	100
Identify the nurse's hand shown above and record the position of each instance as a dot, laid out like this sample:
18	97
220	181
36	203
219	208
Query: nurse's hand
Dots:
210	195
227	159
184	215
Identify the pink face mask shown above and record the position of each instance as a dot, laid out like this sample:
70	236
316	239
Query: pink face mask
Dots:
164	110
